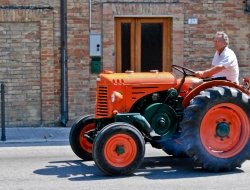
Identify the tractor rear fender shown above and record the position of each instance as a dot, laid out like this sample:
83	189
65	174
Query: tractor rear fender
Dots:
139	122
209	84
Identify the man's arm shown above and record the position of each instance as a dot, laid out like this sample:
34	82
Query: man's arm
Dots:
209	72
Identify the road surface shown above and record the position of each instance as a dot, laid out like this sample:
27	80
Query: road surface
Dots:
56	167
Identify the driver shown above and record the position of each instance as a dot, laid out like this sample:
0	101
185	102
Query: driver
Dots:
224	63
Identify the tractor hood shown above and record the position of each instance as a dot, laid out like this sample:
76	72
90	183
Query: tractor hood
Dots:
130	78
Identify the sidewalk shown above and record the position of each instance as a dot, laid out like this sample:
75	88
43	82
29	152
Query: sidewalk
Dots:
35	135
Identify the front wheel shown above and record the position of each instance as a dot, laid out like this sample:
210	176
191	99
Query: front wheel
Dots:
216	128
80	144
118	149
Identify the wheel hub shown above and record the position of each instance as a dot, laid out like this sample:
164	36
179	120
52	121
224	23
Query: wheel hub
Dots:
222	129
119	149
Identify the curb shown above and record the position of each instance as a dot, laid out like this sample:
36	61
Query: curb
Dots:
33	142
36	135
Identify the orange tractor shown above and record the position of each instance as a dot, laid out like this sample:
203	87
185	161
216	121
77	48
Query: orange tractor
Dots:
205	119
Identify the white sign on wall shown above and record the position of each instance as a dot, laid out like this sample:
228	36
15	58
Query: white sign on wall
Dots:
192	21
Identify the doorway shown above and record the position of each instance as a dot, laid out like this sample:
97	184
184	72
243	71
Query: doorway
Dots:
143	44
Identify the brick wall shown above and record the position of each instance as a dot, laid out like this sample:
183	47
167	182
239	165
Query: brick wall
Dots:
192	44
78	58
20	70
29	66
192	47
214	15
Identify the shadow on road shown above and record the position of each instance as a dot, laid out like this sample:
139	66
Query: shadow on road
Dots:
163	167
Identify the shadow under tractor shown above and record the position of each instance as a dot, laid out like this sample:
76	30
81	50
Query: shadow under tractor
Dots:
205	119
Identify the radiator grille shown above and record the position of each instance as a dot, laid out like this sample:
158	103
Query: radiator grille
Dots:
102	101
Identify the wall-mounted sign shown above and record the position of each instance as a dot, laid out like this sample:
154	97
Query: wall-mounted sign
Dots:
192	20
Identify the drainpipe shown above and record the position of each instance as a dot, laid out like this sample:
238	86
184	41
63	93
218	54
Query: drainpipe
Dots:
64	69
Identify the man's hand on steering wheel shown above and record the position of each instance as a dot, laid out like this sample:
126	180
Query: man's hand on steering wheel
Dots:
199	74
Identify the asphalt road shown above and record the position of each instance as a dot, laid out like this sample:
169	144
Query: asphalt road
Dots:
56	167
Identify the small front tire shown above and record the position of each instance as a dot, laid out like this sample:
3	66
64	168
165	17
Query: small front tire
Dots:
118	149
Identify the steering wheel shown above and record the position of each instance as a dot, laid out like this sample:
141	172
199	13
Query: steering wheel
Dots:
185	71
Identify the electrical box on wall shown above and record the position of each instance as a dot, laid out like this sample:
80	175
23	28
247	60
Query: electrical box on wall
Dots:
95	45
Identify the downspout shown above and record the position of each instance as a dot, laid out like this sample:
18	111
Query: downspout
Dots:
90	16
64	69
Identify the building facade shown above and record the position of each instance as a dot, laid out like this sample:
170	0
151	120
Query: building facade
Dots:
50	57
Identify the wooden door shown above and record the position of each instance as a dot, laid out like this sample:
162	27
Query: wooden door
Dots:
143	44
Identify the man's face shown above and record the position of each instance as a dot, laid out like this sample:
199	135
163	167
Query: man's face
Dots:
219	43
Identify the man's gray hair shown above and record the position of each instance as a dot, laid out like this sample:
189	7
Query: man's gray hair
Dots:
223	36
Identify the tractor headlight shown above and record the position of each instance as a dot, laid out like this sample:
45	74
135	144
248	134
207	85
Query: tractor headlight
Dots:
116	97
98	79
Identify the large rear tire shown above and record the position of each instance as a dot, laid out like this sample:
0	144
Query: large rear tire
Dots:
216	128
118	149
174	147
80	145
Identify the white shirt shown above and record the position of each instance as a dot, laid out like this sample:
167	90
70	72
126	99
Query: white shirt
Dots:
228	59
